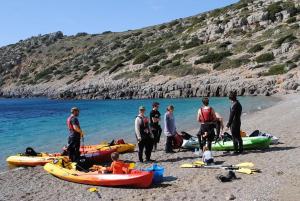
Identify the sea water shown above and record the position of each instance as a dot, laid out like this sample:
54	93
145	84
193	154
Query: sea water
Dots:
41	123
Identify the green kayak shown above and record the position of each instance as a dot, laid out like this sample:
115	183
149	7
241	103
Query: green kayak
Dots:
248	143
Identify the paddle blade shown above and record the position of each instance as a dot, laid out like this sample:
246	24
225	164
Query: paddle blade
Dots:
199	163
245	164
131	166
187	165
92	190
244	171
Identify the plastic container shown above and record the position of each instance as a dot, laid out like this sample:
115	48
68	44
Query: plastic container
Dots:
158	173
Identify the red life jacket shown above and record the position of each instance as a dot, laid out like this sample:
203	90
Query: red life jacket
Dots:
206	115
70	126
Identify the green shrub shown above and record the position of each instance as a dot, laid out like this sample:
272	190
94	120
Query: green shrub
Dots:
161	27
173	47
176	63
173	23
193	43
155	59
224	44
285	39
165	62
295	26
45	74
154	69
213	57
141	58
272	10
276	70
177	56
157	52
256	48
228	63
291	20
264	58
202	50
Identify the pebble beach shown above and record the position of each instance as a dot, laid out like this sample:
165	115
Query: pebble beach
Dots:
279	179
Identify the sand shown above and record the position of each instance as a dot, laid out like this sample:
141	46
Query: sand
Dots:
279	180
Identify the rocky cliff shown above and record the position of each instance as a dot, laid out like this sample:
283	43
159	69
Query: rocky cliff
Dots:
251	46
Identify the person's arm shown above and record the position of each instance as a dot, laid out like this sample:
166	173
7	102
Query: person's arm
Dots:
110	169
213	113
232	114
167	123
137	128
198	116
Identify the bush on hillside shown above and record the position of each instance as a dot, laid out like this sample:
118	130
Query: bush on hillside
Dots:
157	52
173	47
264	58
141	58
256	48
213	57
272	10
154	69
285	39
230	63
165	62
291	20
276	70
193	43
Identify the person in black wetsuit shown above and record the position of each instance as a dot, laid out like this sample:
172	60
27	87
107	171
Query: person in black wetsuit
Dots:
154	123
75	133
143	135
234	123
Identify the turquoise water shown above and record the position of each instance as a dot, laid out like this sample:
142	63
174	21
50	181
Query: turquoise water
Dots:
41	123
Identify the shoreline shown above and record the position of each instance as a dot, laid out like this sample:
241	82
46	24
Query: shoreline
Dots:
279	180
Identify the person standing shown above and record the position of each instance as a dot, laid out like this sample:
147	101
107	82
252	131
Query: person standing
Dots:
143	135
206	116
219	125
169	128
75	133
234	123
154	124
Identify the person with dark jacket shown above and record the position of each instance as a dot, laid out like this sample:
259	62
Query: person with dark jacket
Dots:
169	128
234	123
154	123
75	133
206	116
143	135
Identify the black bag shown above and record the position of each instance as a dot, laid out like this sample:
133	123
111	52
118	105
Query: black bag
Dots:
83	164
30	152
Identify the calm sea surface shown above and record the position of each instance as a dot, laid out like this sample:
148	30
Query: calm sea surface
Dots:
41	123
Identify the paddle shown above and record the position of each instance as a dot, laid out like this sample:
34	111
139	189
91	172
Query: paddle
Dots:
95	190
244	168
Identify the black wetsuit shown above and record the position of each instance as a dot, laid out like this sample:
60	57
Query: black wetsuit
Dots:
146	141
73	140
155	127
234	123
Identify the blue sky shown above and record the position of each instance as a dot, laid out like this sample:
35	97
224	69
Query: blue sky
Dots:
21	19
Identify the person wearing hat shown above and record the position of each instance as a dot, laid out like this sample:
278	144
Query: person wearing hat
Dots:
143	135
154	124
75	133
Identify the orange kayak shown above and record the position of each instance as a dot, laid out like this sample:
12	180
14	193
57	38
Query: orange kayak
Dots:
121	148
136	178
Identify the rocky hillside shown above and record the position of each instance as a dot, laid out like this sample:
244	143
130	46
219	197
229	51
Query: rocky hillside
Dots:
252	47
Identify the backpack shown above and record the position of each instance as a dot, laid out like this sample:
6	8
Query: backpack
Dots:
177	142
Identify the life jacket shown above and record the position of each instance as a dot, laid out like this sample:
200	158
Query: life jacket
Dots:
206	115
144	127
69	124
119	167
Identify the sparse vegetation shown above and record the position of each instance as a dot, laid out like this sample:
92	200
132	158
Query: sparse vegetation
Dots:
230	63
213	57
193	43
173	47
276	70
291	20
141	58
264	58
157	52
255	48
285	39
